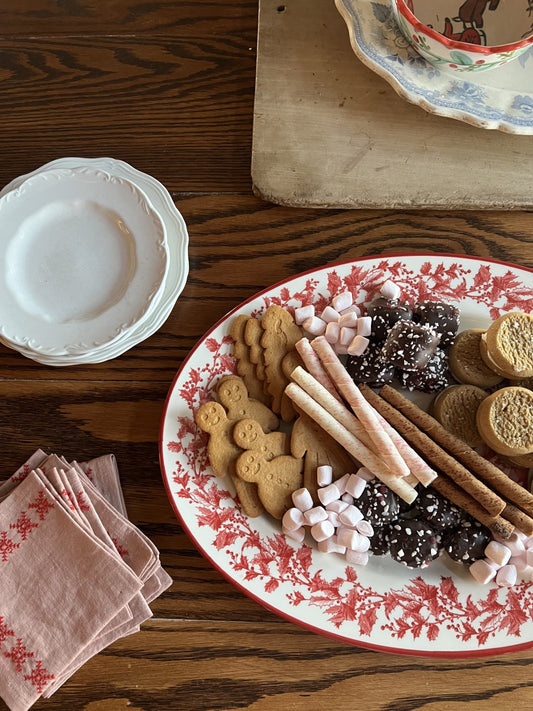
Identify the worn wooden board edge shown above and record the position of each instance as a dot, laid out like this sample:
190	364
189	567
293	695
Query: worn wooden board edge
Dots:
478	169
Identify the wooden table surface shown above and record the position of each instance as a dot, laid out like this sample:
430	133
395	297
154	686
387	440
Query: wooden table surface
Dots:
168	86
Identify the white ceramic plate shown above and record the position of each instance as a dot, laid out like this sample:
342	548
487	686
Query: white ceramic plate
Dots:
438	611
83	256
177	247
500	98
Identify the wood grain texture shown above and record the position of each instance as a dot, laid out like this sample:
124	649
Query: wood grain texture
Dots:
168	86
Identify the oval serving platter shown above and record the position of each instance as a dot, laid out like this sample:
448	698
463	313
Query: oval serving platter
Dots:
437	611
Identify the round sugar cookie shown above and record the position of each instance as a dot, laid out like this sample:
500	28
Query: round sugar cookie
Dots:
508	345
455	408
505	421
466	363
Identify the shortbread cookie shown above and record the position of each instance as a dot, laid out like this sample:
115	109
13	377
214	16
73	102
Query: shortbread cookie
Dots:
455	408
276	479
508	345
505	421
245	367
233	394
466	363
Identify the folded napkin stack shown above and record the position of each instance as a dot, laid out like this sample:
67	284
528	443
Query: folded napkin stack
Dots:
75	573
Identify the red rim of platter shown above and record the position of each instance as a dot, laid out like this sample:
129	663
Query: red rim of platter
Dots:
405	10
512	619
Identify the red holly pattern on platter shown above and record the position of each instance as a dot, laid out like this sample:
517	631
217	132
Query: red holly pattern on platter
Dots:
439	610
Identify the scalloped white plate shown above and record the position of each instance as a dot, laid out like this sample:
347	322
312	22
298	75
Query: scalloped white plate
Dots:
83	257
177	246
438	611
500	98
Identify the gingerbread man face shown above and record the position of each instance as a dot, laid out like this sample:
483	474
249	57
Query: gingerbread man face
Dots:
233	394
248	434
210	417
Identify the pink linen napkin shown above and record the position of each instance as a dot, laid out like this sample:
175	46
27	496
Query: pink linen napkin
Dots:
80	501
50	564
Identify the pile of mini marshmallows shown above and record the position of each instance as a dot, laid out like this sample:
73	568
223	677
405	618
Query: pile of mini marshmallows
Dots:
504	560
337	525
341	322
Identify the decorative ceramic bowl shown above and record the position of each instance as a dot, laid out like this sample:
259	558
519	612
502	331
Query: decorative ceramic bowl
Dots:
467	35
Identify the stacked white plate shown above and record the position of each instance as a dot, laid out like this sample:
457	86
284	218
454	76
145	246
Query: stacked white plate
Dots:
93	256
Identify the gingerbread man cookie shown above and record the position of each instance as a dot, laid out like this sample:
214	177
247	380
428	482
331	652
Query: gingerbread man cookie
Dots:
310	441
233	394
248	434
280	335
245	367
223	452
276	479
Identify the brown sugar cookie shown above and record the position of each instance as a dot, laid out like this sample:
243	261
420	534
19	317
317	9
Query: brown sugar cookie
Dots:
248	434
508	345
245	367
466	363
276	479
233	394
505	421
280	335
318	448
455	408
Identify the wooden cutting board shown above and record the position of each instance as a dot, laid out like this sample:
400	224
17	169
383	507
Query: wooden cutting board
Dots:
330	133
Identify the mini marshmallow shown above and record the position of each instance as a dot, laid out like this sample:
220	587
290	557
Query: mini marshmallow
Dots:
348	498
358	345
341	484
331	545
351	515
340	349
315	326
346	336
302	499
342	301
352	539
336	506
365	474
529	556
482	571
348	320
302	313
324	475
297	535
515	544
519	561
322	530
292	519
497	552
364	326
357	557
365	528
355	486
329	493
333	517
315	515
353	309
390	290
506	576
329	315
332	332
